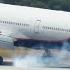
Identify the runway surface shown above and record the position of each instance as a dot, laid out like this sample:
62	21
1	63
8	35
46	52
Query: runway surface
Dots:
9	68
15	68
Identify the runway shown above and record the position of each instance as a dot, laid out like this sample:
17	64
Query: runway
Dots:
9	53
26	51
9	68
35	68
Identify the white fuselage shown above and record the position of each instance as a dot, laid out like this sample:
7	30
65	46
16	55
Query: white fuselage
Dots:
34	23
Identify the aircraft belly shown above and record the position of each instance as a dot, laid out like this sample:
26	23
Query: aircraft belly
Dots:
52	36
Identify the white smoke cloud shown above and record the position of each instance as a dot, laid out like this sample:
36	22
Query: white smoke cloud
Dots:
55	58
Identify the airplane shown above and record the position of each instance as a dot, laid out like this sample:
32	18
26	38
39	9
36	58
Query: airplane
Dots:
22	22
32	24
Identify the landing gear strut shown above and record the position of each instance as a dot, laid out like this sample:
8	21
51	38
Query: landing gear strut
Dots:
1	60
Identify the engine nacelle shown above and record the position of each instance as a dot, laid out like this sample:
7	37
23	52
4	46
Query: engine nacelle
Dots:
6	42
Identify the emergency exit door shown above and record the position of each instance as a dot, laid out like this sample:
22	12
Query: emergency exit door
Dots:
37	26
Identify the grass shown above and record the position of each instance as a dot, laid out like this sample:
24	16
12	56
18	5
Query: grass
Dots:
5	52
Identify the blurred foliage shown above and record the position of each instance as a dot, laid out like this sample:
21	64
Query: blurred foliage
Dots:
51	4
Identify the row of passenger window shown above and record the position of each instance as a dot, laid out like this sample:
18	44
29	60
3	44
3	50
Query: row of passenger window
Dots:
54	28
14	23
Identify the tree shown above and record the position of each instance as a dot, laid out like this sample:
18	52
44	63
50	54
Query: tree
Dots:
52	4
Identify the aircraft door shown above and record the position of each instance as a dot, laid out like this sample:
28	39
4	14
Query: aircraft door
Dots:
37	26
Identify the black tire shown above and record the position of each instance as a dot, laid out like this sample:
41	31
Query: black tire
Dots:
1	60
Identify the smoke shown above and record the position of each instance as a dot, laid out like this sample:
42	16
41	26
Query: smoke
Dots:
49	58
